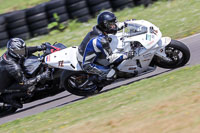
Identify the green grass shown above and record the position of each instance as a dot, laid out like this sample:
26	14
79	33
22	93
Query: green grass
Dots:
177	19
12	5
139	99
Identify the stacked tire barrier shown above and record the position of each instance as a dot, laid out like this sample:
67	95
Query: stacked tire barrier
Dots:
78	9
58	7
3	32
96	6
146	3
16	25
34	21
37	20
121	4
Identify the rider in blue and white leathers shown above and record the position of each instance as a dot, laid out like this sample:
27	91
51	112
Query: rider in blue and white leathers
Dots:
98	56
94	53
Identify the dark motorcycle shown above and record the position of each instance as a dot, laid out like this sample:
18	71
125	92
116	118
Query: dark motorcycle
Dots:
33	66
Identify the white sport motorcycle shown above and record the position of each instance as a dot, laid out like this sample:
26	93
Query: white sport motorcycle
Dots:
142	37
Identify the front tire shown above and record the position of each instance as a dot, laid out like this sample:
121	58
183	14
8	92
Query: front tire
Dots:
78	83
177	52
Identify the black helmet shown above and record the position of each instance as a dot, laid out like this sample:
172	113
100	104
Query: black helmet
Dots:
106	21
16	48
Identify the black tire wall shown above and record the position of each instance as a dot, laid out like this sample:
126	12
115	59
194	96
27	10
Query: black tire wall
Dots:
3	32
121	4
58	7
34	21
17	25
79	10
35	16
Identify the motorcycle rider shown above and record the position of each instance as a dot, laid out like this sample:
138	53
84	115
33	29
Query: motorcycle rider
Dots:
94	53
13	82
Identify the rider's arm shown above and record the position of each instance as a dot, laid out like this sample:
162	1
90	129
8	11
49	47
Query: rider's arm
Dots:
16	71
121	25
103	46
35	49
115	58
90	54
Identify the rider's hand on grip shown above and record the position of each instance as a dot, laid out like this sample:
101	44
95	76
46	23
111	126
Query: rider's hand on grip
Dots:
126	22
45	44
121	25
42	47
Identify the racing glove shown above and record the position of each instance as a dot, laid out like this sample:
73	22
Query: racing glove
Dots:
42	47
124	24
121	25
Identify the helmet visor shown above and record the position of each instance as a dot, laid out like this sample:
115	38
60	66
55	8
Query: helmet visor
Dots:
20	52
111	27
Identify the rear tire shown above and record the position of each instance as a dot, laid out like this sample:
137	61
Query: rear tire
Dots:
72	81
179	54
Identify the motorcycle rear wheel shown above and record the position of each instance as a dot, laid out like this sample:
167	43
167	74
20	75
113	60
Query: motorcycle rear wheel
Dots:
78	84
179	54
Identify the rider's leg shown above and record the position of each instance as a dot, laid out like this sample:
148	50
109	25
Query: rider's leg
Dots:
13	95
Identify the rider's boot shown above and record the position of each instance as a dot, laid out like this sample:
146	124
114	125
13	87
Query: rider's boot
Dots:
13	99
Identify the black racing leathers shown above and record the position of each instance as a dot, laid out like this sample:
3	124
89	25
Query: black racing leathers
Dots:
11	72
94	33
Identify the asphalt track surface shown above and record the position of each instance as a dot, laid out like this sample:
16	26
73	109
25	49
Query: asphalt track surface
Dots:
65	98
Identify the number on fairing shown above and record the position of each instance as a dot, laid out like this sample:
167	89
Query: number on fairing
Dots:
60	63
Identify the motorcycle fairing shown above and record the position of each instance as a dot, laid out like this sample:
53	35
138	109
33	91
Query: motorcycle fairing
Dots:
163	42
54	48
139	63
64	59
144	57
151	40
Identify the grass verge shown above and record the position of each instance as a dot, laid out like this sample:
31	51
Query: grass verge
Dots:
166	103
12	5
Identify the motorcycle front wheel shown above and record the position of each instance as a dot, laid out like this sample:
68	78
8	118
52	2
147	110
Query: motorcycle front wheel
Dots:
177	52
78	83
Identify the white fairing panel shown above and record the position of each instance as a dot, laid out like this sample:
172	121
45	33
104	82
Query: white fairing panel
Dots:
138	31
64	59
148	39
164	41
